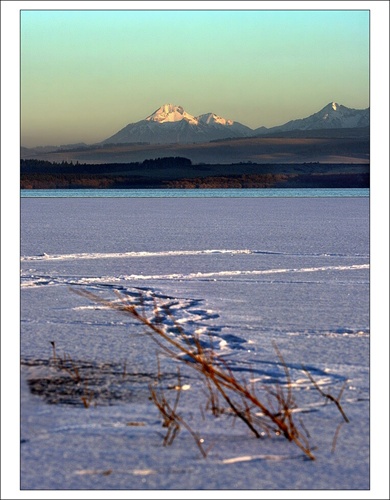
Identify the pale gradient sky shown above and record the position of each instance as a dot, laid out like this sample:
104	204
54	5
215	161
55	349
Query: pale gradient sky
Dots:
87	74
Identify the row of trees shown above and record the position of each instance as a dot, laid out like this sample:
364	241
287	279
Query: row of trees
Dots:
75	181
46	167
228	182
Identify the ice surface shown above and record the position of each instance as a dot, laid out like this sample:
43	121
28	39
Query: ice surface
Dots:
239	273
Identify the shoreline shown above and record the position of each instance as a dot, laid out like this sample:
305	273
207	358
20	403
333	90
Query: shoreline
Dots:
174	175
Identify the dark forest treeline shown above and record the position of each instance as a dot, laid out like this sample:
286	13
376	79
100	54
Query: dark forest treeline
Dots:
33	166
233	181
61	181
73	181
179	173
261	181
85	181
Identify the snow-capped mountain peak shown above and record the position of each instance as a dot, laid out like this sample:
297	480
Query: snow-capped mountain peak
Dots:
171	113
329	111
333	108
332	116
171	124
338	115
212	118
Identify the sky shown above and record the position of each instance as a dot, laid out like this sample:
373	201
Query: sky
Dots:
86	74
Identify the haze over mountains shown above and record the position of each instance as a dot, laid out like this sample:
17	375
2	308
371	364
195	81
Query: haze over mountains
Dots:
171	148
171	124
332	116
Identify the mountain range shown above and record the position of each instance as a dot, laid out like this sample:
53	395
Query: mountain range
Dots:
332	116
171	124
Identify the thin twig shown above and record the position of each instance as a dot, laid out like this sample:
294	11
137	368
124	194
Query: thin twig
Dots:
328	396
218	377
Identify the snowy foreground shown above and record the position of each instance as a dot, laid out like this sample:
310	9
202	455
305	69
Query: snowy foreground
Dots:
242	276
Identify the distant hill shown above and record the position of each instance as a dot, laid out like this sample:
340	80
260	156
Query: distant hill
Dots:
321	133
332	117
172	131
172	124
257	150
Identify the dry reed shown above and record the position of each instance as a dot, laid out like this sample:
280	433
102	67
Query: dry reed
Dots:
273	413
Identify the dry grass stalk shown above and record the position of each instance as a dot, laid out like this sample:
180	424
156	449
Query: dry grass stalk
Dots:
87	397
334	400
66	364
53	344
171	419
274	415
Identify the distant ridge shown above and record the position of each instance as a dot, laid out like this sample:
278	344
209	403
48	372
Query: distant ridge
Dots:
316	133
332	116
171	124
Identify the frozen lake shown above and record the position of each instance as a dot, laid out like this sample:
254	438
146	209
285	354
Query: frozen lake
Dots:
244	274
